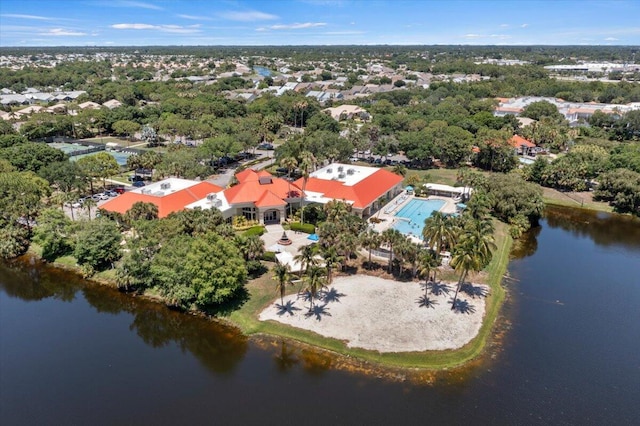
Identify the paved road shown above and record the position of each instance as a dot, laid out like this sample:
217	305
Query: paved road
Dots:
224	178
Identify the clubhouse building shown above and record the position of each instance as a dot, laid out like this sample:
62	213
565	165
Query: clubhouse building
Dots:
260	196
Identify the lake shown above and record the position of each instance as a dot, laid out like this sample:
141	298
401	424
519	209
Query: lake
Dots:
75	353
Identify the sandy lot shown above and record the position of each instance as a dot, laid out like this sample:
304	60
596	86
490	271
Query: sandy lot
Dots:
383	315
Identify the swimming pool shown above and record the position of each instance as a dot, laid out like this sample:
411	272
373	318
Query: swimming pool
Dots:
410	218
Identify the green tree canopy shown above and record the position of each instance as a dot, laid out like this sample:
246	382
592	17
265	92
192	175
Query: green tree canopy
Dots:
98	243
31	156
202	271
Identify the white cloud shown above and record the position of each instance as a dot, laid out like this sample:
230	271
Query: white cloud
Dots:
296	26
62	32
137	4
248	16
611	39
524	25
472	36
34	17
133	26
504	25
195	18
177	29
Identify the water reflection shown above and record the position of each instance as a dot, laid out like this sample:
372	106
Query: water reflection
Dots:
602	228
219	348
526	245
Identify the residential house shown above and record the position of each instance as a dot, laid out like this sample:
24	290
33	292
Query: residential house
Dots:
522	146
112	103
347	112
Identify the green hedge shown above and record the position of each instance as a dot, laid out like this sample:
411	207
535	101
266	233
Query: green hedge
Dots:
307	228
254	230
269	256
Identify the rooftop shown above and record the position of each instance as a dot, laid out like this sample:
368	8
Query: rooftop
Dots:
348	174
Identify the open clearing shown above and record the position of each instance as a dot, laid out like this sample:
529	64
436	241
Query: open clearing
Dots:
386	316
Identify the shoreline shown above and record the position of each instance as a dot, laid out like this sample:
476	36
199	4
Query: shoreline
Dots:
246	320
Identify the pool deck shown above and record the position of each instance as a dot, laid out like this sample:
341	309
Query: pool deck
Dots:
387	214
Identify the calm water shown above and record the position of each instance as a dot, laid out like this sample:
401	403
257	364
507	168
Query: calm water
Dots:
416	211
265	72
77	354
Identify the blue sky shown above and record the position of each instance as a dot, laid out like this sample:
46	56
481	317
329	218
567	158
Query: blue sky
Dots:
316	22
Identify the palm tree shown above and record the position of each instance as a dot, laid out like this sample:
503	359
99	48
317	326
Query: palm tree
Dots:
400	169
283	277
407	252
426	263
464	259
254	247
479	233
347	244
436	230
391	237
331	259
474	251
302	106
307	161
315	281
290	163
89	203
306	257
370	240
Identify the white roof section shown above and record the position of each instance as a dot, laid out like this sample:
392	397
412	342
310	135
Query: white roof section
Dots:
348	174
165	187
318	197
214	199
447	188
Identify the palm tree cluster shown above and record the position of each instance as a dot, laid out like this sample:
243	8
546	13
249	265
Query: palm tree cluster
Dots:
469	238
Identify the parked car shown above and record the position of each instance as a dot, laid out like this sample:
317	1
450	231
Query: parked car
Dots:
138	184
111	193
266	146
119	190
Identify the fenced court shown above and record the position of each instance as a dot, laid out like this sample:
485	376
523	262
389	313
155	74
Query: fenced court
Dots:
75	149
121	157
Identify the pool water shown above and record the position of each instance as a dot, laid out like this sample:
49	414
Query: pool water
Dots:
410	218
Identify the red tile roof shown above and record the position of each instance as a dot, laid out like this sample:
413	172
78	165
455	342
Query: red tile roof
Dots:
250	190
361	194
269	199
167	204
517	141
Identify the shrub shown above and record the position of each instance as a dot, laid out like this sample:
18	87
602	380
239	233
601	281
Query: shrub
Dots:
269	256
307	228
254	230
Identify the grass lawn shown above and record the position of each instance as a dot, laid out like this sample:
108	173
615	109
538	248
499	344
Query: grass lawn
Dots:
583	200
262	292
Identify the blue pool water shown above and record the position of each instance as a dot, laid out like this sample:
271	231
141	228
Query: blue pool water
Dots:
410	218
